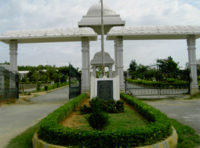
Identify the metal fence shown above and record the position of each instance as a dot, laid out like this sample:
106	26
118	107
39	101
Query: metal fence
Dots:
160	86
9	85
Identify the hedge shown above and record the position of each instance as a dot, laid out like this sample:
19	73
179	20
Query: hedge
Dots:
158	129
56	85
177	84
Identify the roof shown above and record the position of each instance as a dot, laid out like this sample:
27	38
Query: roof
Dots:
97	60
96	10
49	35
93	18
153	32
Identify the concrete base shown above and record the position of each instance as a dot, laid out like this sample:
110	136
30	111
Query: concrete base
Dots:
194	91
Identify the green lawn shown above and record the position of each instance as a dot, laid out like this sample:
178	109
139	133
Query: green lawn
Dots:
129	119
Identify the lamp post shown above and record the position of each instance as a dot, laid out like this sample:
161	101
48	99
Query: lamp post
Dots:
102	39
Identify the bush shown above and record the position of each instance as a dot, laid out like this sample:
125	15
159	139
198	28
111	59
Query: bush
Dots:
38	85
109	106
85	109
56	85
52	132
98	119
177	83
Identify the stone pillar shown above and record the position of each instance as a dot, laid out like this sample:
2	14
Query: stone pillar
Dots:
191	42
85	66
110	71
115	45
13	56
120	66
94	71
89	63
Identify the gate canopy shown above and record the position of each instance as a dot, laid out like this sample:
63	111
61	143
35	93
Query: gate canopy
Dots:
153	32
49	35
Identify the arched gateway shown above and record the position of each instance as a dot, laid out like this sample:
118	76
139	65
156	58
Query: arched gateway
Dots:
90	27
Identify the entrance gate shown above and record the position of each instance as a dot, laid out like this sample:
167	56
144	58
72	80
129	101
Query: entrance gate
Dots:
179	84
9	85
74	82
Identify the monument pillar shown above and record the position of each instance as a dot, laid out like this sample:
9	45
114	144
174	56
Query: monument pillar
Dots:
191	42
120	66
13	56
85	66
110	71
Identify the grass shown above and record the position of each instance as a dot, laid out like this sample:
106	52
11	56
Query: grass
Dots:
129	119
24	140
36	91
187	138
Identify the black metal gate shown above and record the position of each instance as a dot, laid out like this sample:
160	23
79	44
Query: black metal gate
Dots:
9	85
74	82
179	84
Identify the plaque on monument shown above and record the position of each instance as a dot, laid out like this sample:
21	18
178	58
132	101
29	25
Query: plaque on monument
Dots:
105	89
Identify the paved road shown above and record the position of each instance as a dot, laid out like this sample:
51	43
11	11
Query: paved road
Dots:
15	119
60	95
185	111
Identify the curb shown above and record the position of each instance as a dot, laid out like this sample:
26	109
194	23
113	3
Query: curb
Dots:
170	142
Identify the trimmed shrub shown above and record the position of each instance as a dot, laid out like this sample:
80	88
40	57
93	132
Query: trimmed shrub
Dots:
52	132
56	85
85	109
177	83
98	119
109	106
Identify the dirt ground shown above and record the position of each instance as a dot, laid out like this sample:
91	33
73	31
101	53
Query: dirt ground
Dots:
7	102
23	97
71	120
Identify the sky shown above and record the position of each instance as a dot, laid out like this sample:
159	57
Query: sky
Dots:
46	14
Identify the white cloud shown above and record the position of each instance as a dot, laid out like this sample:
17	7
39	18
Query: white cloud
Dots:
41	14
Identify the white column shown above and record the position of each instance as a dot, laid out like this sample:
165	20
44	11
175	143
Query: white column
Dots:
94	71
85	66
115	45
89	63
13	56
110	71
191	42
120	65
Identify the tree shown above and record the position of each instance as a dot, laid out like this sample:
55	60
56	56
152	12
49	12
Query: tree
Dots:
132	69
36	76
141	70
50	72
57	76
133	66
168	65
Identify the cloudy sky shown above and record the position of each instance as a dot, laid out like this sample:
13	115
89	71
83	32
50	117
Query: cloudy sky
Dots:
45	14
